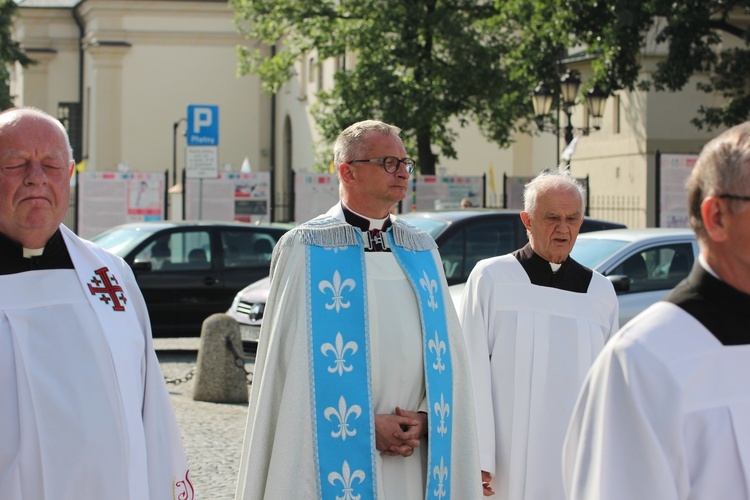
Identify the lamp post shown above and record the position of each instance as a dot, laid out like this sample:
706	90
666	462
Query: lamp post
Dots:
544	96
174	149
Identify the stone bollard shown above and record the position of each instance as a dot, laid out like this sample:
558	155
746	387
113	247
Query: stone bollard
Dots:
217	378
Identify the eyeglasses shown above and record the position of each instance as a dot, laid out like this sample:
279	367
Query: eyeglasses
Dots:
391	163
734	197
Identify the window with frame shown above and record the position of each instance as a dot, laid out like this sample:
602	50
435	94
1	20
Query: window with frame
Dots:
247	248
657	268
178	251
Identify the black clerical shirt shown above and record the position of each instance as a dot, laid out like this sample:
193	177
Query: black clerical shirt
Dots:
572	276
723	310
55	256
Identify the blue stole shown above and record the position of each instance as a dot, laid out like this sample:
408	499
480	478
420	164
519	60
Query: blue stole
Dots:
341	392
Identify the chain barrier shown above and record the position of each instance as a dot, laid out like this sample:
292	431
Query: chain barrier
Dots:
185	378
239	361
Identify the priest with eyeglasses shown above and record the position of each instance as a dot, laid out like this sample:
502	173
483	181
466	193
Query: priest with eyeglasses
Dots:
360	380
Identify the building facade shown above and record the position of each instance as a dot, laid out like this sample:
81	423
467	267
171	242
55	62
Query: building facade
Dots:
121	73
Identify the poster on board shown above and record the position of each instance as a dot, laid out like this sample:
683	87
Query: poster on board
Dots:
314	194
673	173
107	199
431	192
243	197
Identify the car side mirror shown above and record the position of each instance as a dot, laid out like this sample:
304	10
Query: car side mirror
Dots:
620	282
142	265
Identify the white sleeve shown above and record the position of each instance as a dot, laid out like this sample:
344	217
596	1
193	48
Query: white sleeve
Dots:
474	317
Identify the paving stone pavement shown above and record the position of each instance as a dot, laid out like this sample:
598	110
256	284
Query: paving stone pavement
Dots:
212	433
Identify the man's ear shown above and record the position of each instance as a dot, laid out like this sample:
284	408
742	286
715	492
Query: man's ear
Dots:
346	173
72	168
714	212
526	220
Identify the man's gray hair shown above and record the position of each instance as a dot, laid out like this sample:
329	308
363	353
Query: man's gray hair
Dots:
12	115
723	167
551	179
348	145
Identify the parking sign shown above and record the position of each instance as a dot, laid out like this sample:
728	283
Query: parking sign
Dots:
202	125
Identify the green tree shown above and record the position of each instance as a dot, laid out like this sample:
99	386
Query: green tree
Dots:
10	51
708	37
419	63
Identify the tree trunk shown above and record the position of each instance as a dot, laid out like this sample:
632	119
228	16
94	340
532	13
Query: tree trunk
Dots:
426	159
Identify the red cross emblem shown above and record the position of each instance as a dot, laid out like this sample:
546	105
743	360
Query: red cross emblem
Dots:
105	285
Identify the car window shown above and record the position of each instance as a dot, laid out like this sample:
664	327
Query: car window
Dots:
590	252
244	248
657	268
431	225
179	250
480	240
121	241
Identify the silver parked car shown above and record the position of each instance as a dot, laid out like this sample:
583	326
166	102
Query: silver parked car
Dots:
463	237
642	264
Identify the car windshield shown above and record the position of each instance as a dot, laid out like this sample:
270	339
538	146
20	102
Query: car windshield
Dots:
593	251
432	226
121	240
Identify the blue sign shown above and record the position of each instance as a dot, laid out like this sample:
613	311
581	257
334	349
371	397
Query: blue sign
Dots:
202	125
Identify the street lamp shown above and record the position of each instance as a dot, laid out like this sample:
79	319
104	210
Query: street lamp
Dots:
174	149
544	96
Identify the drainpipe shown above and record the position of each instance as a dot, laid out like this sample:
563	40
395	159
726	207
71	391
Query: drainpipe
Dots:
82	34
272	153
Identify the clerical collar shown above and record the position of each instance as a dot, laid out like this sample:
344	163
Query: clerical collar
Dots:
721	309
569	275
705	265
32	252
14	258
363	222
374	241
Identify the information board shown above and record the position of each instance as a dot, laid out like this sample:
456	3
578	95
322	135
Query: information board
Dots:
229	197
673	173
107	199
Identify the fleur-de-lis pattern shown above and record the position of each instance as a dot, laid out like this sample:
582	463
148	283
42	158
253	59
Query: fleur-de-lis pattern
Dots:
341	391
440	473
422	271
431	286
442	410
346	477
339	350
337	288
336	249
438	347
343	413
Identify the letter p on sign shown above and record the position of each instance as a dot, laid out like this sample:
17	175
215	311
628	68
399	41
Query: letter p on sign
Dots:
203	125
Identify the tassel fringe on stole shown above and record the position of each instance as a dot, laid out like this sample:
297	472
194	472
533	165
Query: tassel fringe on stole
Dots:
330	232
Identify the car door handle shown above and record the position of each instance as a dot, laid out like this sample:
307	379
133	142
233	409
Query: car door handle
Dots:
210	280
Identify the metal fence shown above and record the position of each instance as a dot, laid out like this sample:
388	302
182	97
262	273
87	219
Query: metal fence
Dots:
625	209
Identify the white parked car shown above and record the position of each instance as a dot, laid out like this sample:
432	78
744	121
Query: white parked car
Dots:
247	309
643	264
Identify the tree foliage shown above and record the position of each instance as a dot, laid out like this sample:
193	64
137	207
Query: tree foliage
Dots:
419	63
422	63
708	37
10	51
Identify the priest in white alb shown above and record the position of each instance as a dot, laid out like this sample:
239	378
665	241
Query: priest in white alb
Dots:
84	411
360	376
533	321
665	410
